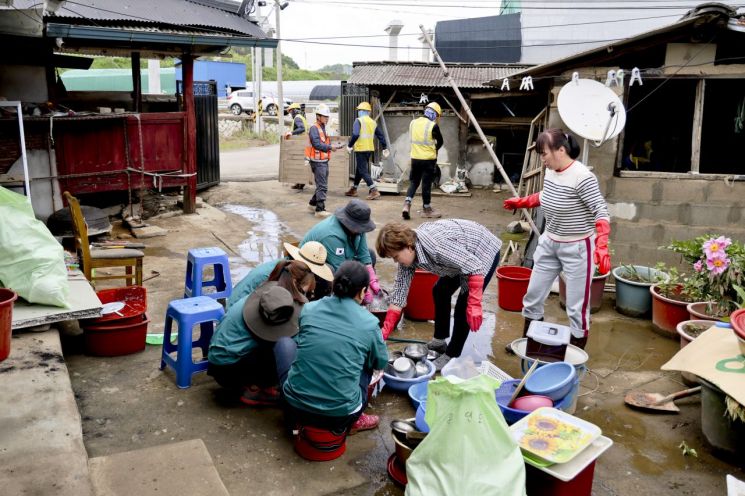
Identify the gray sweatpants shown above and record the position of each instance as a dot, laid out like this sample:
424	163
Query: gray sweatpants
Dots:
321	179
575	259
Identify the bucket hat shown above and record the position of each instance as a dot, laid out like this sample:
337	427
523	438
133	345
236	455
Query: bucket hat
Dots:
313	254
355	216
271	313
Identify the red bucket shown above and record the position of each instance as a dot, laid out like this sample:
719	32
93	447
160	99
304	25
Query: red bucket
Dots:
7	297
421	305
319	445
116	338
512	284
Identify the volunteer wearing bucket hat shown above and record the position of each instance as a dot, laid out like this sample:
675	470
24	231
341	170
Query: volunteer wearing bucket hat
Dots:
343	236
313	254
463	253
241	354
325	371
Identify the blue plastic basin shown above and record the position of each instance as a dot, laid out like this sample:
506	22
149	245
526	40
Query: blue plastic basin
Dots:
553	380
418	393
400	384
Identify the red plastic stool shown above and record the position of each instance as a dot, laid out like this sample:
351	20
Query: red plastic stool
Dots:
319	445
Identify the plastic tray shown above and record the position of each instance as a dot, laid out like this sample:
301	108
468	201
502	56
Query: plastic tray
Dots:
569	471
566	439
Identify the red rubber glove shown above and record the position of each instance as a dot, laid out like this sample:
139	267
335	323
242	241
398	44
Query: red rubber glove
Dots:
391	320
525	202
602	257
474	315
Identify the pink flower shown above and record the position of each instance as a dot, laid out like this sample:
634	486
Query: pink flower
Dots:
698	266
716	246
717	264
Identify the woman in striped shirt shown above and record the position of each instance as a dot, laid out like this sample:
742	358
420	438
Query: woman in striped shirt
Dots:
576	234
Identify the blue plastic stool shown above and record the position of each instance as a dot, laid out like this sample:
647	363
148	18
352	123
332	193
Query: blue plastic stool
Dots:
196	261
188	313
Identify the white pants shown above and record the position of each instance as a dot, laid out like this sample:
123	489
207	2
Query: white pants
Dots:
575	259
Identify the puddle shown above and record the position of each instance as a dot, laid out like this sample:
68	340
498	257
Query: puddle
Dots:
264	241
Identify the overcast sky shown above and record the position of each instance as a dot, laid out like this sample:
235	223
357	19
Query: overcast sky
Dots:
368	18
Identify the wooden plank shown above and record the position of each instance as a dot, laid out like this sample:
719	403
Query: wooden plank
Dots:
698	117
292	168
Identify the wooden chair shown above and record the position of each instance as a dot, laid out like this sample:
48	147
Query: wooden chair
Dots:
91	259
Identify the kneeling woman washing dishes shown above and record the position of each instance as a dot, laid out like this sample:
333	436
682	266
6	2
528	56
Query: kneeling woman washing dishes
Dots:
241	353
325	370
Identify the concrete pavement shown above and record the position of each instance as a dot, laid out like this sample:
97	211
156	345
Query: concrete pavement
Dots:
259	163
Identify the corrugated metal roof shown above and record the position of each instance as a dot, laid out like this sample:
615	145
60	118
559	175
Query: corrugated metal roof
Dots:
174	13
428	74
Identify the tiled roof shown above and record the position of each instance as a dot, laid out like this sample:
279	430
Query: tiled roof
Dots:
429	74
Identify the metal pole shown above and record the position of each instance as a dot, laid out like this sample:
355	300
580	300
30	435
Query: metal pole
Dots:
477	127
281	103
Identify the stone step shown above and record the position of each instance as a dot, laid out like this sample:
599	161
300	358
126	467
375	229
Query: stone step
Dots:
41	439
176	469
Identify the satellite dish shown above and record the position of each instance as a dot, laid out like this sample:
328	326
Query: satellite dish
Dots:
591	110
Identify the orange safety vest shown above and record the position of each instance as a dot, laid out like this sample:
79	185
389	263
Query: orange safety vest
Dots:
317	155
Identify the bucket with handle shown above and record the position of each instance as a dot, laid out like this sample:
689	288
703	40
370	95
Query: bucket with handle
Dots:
7	297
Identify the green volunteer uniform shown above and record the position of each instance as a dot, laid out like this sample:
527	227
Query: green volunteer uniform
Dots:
253	280
232	339
330	233
338	339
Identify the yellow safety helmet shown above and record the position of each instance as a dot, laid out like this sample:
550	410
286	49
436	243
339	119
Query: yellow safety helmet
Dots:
293	106
436	107
364	106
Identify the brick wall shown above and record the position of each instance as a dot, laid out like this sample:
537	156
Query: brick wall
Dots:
36	134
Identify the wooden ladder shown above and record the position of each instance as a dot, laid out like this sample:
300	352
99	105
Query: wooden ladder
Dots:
531	177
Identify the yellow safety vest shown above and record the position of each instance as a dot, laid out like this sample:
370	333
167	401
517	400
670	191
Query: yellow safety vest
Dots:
422	143
367	130
305	123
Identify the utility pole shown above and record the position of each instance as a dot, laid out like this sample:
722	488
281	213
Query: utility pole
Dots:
280	94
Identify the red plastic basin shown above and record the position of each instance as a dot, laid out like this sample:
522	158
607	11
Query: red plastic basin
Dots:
115	338
135	304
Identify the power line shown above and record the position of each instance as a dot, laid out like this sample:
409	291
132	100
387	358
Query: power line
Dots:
624	6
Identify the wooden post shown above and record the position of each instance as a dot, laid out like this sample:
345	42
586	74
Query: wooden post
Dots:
136	82
463	135
190	191
698	117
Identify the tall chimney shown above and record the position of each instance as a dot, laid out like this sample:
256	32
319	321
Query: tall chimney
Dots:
393	29
426	51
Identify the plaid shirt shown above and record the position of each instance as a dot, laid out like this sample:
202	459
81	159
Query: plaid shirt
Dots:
451	247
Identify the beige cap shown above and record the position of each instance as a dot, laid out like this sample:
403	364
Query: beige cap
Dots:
313	254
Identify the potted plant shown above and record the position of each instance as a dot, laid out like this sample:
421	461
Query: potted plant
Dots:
632	288
688	330
718	266
597	288
669	302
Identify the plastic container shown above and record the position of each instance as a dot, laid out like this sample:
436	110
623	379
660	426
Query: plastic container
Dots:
667	313
115	339
7	297
554	380
419	421
512	415
597	288
418	393
531	402
633	297
512	284
135	304
421	305
400	384
719	429
547	341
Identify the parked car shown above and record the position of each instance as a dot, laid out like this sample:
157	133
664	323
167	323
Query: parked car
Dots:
240	101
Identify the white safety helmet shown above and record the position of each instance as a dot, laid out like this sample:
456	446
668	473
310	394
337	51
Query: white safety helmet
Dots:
323	110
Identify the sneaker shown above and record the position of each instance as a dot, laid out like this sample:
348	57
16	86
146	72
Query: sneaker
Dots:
438	345
441	361
352	192
322	214
405	213
431	213
374	194
256	396
364	423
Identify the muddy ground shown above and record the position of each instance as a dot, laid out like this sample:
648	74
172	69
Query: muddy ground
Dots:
127	403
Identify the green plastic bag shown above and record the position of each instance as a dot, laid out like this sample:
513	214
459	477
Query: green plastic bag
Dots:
32	262
469	449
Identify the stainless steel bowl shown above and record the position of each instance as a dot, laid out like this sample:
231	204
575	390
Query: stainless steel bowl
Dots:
432	355
404	368
393	355
416	351
421	368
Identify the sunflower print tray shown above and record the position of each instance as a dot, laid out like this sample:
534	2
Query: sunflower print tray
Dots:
552	435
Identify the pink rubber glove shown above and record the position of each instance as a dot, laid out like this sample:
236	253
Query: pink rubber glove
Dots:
391	320
602	257
368	298
474	315
525	202
374	283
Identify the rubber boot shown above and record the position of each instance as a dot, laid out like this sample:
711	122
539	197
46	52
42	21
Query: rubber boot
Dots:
578	342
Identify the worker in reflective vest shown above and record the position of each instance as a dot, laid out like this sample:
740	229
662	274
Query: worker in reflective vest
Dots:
299	127
361	142
426	139
317	153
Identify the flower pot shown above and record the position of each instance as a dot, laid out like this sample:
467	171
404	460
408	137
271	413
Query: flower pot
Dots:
633	297
667	312
597	287
699	310
685	338
719	429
